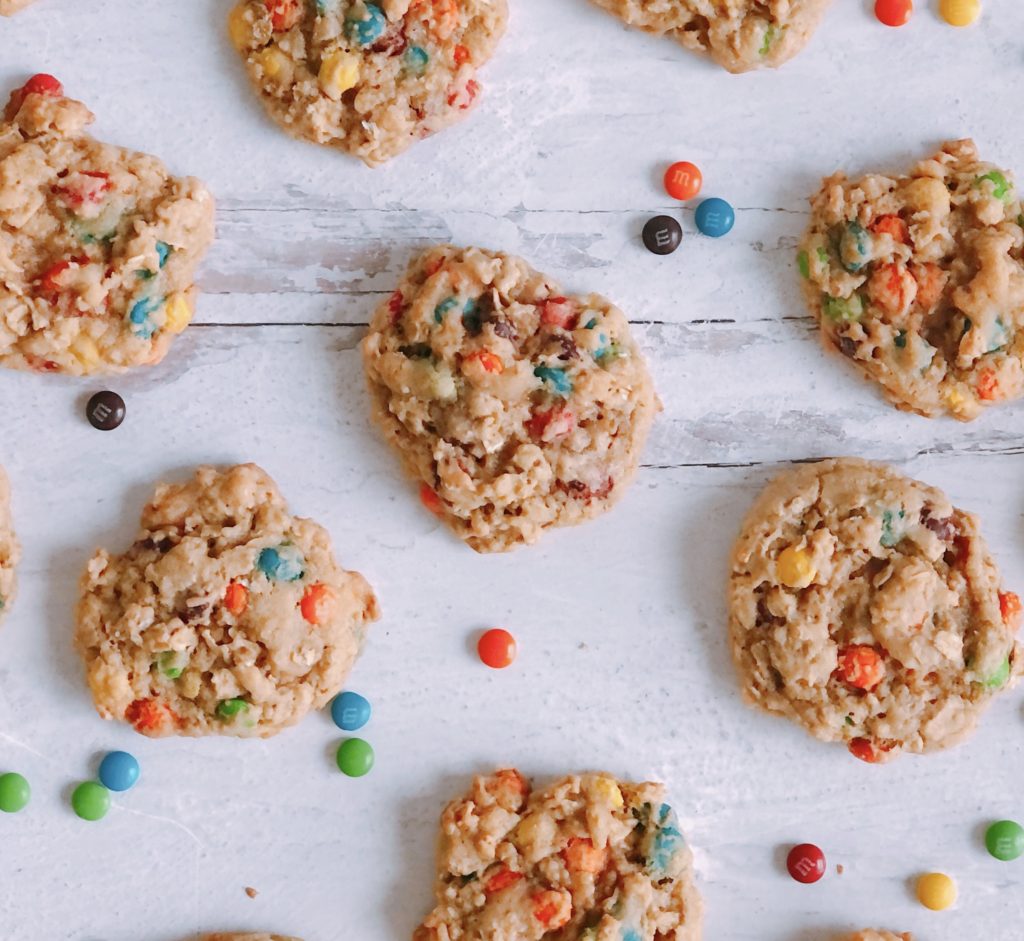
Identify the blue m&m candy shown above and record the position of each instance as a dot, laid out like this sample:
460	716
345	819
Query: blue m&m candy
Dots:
350	711
368	29
715	217
283	563
119	771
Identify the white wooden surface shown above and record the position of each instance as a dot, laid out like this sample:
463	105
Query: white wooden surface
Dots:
623	662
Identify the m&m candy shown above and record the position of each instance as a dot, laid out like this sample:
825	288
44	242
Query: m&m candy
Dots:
496	648
119	771
15	792
894	12
715	217
355	757
1004	840
806	863
960	12
936	890
91	801
350	711
683	180
662	235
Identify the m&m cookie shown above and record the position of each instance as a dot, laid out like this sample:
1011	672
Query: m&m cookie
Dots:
226	616
866	607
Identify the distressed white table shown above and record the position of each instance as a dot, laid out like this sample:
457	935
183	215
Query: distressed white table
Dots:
623	662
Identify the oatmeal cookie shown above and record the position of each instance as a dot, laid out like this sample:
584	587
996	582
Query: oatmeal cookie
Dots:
517	408
98	245
10	551
588	858
739	35
368	78
866	607
918	280
227	616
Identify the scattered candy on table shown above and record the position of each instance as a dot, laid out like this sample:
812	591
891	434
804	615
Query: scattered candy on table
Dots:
806	863
715	217
91	801
350	711
355	757
496	648
683	180
662	235
894	12
960	12
936	890
1004	840
105	410
15	792
119	771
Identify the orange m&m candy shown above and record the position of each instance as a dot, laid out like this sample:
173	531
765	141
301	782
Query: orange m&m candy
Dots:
683	180
496	648
894	12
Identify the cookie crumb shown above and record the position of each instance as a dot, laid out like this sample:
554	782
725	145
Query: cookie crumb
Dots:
839	869
251	892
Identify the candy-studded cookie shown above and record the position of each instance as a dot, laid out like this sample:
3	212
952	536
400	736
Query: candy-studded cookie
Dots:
869	934
10	7
10	551
587	858
98	245
227	615
918	280
739	35
247	936
368	78
515	406
866	607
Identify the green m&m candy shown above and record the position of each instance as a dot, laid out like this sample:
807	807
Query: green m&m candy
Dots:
91	801
355	757
14	792
1005	840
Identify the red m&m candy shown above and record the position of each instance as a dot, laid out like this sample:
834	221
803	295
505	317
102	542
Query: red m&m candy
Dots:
894	12
683	180
496	648
806	863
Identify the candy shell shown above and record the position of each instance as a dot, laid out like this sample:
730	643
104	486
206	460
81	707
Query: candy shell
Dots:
119	771
715	217
350	711
15	792
936	890
91	801
355	757
496	648
1004	840
683	180
806	863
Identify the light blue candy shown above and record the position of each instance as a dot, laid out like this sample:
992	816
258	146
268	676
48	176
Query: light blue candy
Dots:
666	841
283	564
446	305
415	60
715	217
163	251
139	315
554	377
119	771
631	934
369	29
350	711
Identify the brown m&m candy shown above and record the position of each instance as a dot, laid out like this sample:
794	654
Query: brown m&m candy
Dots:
105	410
662	235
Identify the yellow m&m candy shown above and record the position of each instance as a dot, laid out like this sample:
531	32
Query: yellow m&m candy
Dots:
240	27
338	73
177	313
795	568
960	12
936	890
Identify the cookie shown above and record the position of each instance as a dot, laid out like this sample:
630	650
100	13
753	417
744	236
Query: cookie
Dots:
250	936
10	7
517	408
866	607
98	244
739	35
869	934
10	551
227	616
368	78
587	858
918	280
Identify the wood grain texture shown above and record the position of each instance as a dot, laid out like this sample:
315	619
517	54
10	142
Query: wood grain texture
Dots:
623	660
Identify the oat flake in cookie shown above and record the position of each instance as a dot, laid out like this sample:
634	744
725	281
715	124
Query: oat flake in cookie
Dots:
867	608
368	78
227	615
98	245
517	407
10	551
739	35
919	281
587	859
